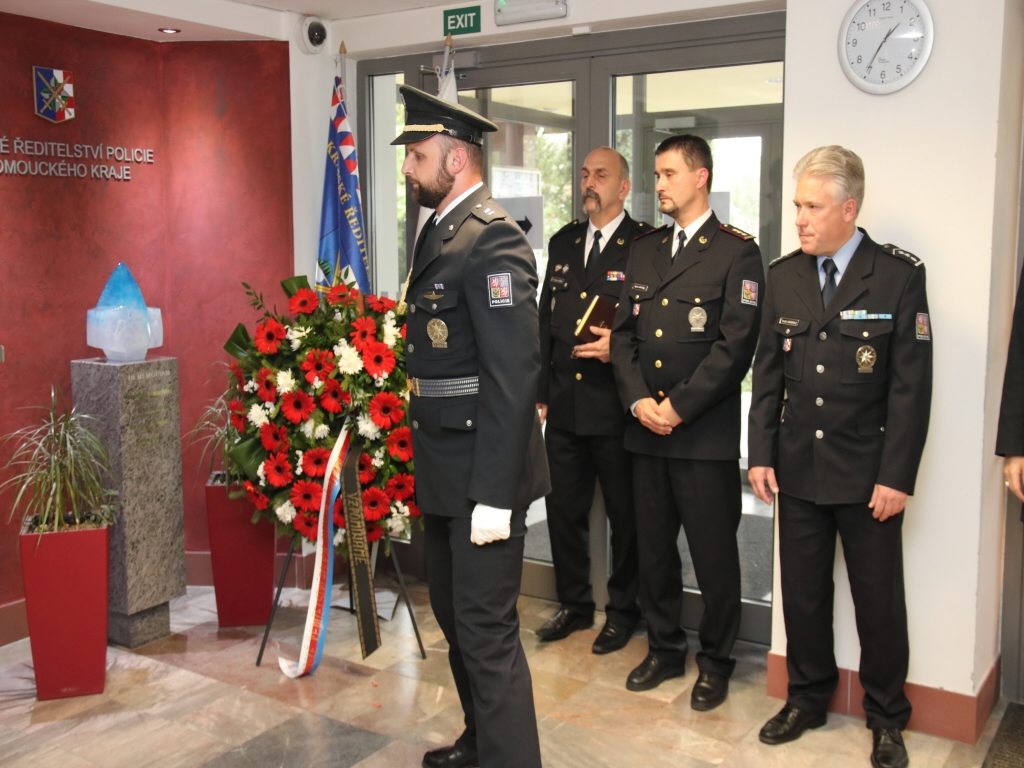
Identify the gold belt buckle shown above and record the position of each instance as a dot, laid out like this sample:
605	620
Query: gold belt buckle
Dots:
414	386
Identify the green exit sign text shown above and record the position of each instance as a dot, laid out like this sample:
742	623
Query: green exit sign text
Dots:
462	21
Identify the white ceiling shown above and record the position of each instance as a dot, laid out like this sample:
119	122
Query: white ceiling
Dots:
346	9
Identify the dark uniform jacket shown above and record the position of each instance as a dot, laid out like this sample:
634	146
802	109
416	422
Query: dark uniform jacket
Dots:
842	397
1010	438
686	330
580	392
476	274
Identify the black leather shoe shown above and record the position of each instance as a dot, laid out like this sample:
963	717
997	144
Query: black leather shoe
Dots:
709	691
652	672
790	725
563	624
612	637
888	750
458	755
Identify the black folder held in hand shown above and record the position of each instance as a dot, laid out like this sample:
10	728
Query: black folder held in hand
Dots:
601	312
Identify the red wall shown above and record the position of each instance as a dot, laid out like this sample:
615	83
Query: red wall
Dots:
214	209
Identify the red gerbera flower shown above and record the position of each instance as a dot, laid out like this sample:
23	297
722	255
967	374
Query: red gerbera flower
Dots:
339	517
400	444
304	302
378	360
237	408
239	376
402	330
318	364
374	532
258	499
366	469
401	486
278	469
380	303
375	503
333	398
338	294
274	437
306	495
314	462
297	406
269	335
364	330
386	409
306	524
267	392
414	511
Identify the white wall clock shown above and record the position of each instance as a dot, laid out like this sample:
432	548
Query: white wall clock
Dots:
884	44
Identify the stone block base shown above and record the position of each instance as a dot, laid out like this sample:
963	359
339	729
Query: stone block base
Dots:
133	630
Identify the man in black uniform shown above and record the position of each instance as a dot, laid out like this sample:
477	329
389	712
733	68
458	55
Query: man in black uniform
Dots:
1010	437
473	360
682	342
842	392
585	418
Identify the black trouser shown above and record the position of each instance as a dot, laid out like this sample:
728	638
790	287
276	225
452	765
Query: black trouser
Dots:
874	562
703	497
576	462
473	592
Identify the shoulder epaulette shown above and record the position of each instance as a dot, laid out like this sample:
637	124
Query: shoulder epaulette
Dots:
488	211
736	231
775	261
566	228
649	232
892	250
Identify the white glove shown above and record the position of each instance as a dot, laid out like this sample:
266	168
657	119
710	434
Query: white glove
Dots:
490	524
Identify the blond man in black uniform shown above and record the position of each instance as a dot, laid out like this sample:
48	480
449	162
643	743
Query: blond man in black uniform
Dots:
585	418
473	359
682	342
838	419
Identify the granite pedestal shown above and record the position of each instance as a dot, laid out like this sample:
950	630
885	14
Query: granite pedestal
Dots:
137	406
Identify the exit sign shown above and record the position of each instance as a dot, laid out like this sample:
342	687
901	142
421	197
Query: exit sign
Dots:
462	21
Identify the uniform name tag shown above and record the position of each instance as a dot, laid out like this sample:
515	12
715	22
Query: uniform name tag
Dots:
863	314
638	287
788	321
499	289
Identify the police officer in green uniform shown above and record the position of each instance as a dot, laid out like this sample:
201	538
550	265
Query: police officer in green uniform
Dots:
585	418
473	360
682	342
838	419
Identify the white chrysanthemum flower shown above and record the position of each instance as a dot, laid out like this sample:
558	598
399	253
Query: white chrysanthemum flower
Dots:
261	474
268	407
349	359
379	454
295	335
307	428
316	383
396	526
367	428
339	537
377	461
390	332
321	431
285	513
400	509
337	316
251	386
381	380
285	382
298	462
257	416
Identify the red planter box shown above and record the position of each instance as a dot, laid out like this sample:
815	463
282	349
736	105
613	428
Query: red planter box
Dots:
242	557
65	577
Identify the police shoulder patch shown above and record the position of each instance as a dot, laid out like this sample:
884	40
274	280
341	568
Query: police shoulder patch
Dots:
642	235
899	253
735	231
773	262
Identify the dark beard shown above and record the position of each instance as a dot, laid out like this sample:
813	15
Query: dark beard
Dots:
430	196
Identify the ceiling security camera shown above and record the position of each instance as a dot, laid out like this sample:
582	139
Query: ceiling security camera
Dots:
312	34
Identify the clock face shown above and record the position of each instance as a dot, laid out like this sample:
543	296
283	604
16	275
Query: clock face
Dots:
884	44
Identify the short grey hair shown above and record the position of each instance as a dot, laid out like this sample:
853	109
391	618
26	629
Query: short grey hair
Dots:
838	165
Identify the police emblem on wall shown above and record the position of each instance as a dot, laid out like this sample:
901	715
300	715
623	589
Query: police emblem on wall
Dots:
54	94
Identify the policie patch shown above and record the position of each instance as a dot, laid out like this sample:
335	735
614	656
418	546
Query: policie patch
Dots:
924	329
499	289
749	295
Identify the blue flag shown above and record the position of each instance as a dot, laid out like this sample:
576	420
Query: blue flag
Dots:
342	238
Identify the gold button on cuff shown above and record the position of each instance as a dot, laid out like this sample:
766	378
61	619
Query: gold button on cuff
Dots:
820	368
658	333
664	302
579	377
819	434
657	363
822	335
583	295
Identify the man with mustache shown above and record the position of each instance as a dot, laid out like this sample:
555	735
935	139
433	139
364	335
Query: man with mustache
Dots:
682	342
473	359
585	418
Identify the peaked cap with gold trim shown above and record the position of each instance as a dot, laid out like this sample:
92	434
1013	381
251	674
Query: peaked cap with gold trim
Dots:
427	116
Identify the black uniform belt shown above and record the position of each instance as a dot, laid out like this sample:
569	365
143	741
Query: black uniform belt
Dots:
467	385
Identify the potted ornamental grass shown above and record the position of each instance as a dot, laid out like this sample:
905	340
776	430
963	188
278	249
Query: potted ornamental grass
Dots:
58	477
241	552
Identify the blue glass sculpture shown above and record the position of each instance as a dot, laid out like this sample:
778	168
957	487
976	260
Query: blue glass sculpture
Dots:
121	324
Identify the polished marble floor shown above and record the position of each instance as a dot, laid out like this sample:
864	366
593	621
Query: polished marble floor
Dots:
197	699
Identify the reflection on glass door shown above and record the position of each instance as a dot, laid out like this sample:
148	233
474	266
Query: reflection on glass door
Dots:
529	170
739	111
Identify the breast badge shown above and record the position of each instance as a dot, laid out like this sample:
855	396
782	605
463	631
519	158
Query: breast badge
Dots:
866	359
438	333
698	319
787	344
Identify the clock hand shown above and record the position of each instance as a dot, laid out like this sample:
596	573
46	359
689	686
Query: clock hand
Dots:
887	35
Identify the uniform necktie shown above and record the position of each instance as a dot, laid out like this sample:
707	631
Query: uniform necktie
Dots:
682	243
828	290
594	257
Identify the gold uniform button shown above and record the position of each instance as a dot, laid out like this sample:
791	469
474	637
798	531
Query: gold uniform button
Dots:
657	363
469	422
664	302
583	295
822	335
865	334
433	306
820	368
415	425
658	333
660	393
696	301
579	377
819	401
819	434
